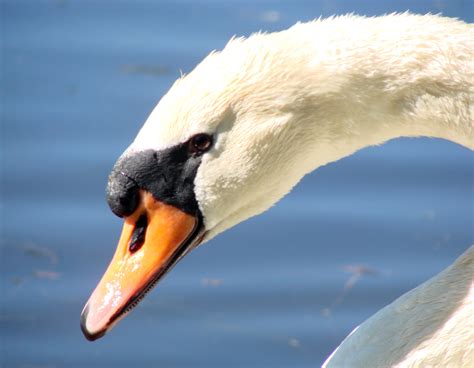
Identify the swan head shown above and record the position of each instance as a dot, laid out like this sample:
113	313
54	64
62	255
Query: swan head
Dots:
236	134
216	150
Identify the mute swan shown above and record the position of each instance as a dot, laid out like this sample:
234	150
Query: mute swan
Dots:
236	134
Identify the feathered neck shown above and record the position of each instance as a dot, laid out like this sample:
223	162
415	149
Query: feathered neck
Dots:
350	82
285	103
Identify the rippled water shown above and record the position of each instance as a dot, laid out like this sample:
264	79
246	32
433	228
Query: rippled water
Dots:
280	290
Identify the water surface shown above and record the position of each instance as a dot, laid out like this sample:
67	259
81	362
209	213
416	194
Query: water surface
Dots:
79	78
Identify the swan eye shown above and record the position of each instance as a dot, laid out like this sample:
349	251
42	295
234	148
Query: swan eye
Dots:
200	143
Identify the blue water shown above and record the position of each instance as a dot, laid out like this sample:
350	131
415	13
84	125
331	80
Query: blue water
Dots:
78	80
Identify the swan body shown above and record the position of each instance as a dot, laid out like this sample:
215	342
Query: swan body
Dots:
236	134
429	326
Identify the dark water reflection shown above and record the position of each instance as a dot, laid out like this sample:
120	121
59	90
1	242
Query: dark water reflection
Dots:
79	78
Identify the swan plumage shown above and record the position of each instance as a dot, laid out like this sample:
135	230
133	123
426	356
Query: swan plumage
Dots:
273	107
310	95
429	326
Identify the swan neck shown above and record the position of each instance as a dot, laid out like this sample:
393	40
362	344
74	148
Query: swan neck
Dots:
369	98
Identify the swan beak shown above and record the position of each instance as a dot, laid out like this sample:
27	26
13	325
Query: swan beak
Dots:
153	239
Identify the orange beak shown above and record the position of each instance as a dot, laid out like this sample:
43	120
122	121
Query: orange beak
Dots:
153	239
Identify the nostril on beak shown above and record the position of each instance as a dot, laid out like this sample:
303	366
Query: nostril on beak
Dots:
138	236
122	193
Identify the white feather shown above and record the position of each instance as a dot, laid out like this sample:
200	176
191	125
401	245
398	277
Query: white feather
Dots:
282	104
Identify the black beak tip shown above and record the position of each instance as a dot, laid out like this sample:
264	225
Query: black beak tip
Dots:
87	334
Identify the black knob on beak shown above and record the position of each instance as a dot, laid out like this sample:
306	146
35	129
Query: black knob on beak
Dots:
167	174
122	191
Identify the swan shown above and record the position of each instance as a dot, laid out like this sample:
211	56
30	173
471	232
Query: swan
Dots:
236	134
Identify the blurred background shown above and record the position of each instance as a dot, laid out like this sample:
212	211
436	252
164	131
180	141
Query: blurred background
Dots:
281	290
